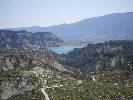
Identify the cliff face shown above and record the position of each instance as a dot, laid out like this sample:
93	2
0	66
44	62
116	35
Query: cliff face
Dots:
22	39
20	58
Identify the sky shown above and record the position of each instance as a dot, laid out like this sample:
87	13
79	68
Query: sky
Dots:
26	13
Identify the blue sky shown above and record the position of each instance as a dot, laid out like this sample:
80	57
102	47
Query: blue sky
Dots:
20	13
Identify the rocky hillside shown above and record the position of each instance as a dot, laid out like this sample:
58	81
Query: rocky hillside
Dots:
22	39
27	74
111	55
20	58
24	74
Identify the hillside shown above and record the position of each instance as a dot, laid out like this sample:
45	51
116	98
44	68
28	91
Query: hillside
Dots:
117	26
23	39
100	57
24	74
37	74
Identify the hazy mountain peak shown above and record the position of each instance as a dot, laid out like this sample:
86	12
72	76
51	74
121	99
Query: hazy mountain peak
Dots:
116	26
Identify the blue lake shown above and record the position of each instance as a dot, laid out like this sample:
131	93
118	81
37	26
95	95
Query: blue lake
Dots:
63	49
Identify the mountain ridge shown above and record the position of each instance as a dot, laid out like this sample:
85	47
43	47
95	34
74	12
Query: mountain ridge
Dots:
24	39
96	29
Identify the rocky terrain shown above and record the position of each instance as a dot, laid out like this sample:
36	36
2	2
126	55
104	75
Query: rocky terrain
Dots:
101	71
24	74
27	74
101	57
23	39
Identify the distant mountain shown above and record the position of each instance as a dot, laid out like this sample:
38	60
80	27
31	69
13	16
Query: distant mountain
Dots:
24	39
117	26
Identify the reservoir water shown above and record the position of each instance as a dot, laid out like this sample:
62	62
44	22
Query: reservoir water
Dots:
63	49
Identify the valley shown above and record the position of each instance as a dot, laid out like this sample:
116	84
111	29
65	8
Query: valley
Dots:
87	60
101	71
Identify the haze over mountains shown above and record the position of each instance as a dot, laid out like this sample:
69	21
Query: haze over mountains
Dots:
29	70
117	26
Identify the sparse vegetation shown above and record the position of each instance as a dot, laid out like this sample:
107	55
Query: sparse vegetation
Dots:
35	72
108	86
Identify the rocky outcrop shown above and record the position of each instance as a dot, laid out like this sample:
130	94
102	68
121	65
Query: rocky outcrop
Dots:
22	58
25	72
23	39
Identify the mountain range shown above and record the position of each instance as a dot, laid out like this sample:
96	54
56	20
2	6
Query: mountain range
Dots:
116	26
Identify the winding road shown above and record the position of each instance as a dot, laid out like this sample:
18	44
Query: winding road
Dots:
45	94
